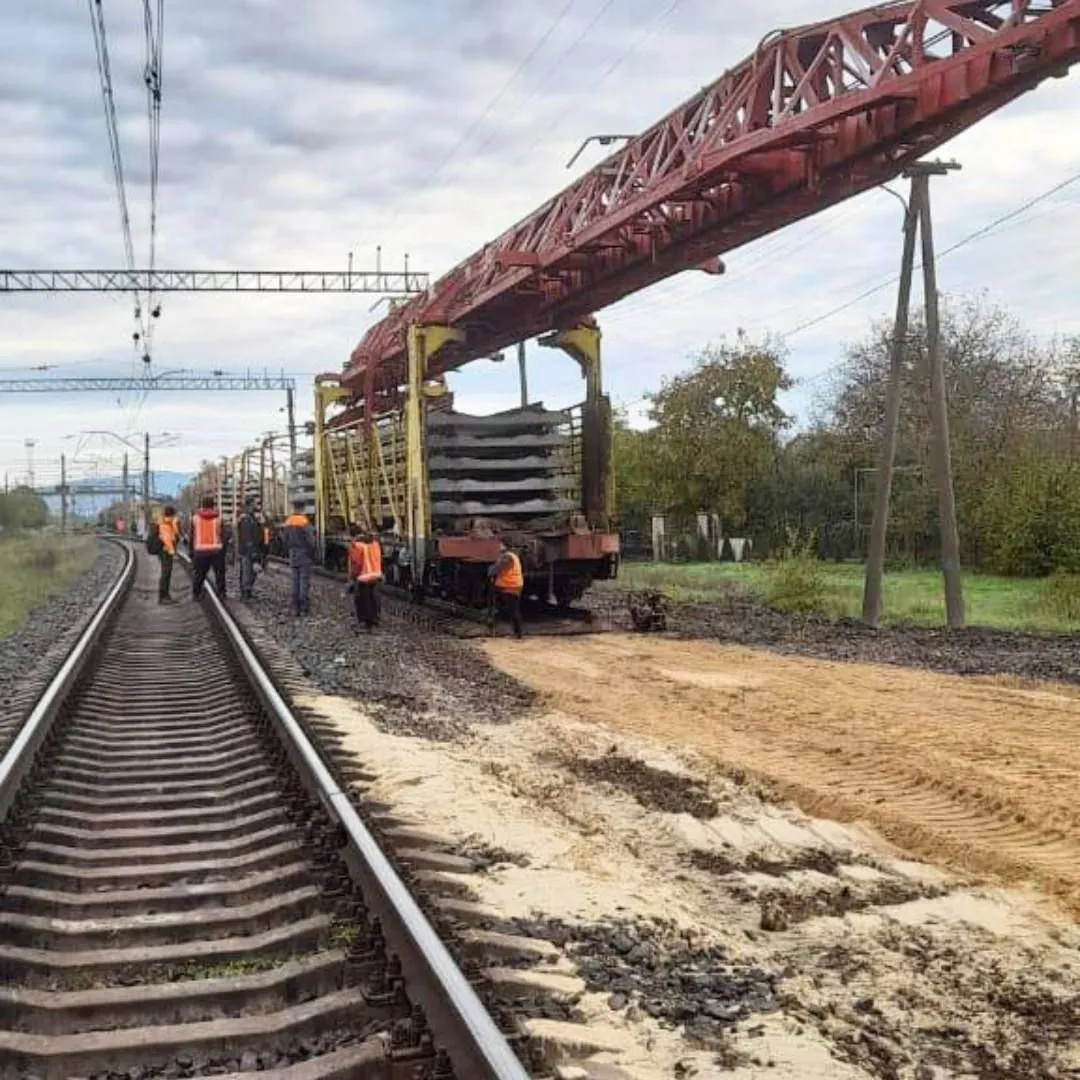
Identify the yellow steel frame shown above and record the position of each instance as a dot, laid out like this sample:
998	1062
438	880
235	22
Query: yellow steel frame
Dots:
582	343
327	393
352	474
423	343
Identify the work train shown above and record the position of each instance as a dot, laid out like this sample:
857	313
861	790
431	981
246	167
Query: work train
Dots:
538	479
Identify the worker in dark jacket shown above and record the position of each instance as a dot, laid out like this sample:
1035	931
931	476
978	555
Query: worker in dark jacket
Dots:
264	537
207	540
508	583
298	537
248	540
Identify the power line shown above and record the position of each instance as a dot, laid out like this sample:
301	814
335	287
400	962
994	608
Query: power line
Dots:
478	120
568	51
978	234
647	33
101	46
154	34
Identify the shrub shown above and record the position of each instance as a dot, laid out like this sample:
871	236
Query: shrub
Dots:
1060	596
798	583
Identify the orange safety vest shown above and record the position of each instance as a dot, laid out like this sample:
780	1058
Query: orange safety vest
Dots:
169	532
206	525
510	578
357	559
372	571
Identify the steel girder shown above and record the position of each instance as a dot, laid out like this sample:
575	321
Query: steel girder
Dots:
813	117
189	281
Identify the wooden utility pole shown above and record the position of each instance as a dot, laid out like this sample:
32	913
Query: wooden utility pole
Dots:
63	494
127	495
917	217
875	556
146	484
939	422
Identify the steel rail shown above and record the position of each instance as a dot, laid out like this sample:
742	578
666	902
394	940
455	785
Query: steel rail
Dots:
19	758
461	1024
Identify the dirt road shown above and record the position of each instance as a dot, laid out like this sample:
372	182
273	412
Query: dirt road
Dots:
972	775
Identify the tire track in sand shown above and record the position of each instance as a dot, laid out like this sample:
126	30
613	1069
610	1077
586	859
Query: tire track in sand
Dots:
976	777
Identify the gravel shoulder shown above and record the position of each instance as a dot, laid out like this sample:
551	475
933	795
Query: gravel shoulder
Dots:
33	652
411	682
713	930
741	618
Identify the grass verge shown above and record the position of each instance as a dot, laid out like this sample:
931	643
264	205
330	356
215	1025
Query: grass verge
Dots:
911	596
34	567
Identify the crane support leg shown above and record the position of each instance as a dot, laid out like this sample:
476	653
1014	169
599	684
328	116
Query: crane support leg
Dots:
326	394
582	343
424	341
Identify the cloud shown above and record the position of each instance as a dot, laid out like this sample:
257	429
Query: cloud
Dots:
294	134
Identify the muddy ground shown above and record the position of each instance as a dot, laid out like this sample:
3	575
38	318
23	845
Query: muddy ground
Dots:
741	618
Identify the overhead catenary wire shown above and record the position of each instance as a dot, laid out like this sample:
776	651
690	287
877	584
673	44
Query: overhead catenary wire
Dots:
101	47
153	27
522	64
153	31
648	32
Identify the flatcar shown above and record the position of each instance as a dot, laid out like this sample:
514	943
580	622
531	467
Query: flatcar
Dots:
444	488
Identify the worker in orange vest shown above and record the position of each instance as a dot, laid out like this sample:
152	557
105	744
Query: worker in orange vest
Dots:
508	582
365	573
168	531
206	542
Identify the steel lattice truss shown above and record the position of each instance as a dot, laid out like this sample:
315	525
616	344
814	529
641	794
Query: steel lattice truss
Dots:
161	382
188	281
816	115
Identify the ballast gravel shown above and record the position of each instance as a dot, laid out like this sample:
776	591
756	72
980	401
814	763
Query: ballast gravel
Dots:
410	680
738	617
32	654
652	967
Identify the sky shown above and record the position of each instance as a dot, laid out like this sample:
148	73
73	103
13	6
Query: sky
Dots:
295	134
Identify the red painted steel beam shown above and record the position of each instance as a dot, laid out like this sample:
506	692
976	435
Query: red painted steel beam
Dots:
815	116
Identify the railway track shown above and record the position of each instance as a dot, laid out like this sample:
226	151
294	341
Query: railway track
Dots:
186	890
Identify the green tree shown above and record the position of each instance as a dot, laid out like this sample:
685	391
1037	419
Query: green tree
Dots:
1030	514
716	429
809	492
1005	393
23	508
633	474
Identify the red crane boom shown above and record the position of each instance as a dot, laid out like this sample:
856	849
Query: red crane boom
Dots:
813	117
